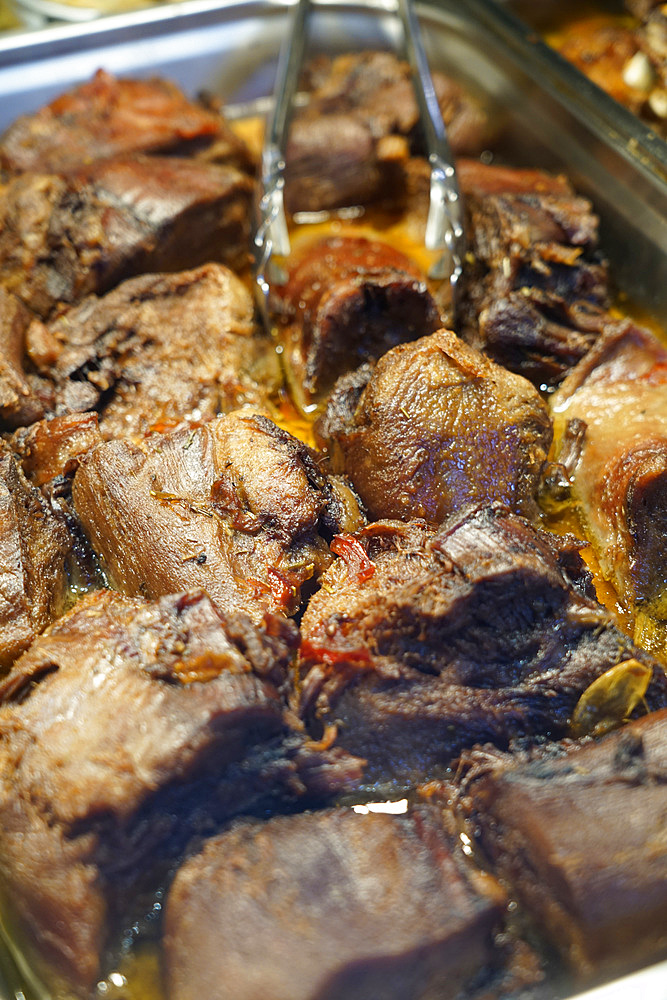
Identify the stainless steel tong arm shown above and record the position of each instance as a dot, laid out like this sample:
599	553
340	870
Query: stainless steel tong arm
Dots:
271	235
444	224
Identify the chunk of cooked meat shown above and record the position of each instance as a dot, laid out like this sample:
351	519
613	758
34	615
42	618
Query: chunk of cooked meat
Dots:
157	351
236	506
125	730
24	397
331	905
602	50
348	300
348	144
619	475
578	834
418	644
534	294
63	237
437	426
34	546
49	449
107	116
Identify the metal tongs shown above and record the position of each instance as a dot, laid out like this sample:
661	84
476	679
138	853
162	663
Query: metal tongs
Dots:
444	225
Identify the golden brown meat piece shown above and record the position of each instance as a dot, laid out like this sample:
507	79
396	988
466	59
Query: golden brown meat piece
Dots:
601	49
24	396
436	426
158	351
237	507
348	300
107	116
617	396
34	546
63	237
350	143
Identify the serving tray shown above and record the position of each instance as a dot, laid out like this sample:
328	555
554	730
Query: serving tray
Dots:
547	117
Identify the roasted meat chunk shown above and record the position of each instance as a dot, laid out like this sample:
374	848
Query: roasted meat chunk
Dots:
106	117
63	237
534	297
34	546
578	832
602	51
24	396
348	300
125	730
418	644
330	905
348	145
617	396
437	426
157	351
51	449
236	506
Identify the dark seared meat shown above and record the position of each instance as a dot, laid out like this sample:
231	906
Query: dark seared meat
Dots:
618	393
63	237
24	395
105	117
237	507
580	837
418	644
34	546
157	351
124	730
330	906
347	301
349	143
534	296
437	426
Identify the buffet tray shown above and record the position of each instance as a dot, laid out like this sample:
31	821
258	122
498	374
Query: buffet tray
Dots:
547	117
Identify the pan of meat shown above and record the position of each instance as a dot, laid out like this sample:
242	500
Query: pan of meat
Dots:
332	651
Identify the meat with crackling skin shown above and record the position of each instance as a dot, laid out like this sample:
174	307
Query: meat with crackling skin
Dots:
348	300
419	643
126	729
34	548
328	906
108	116
436	426
534	293
63	237
237	507
349	144
578	833
157	351
619	476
